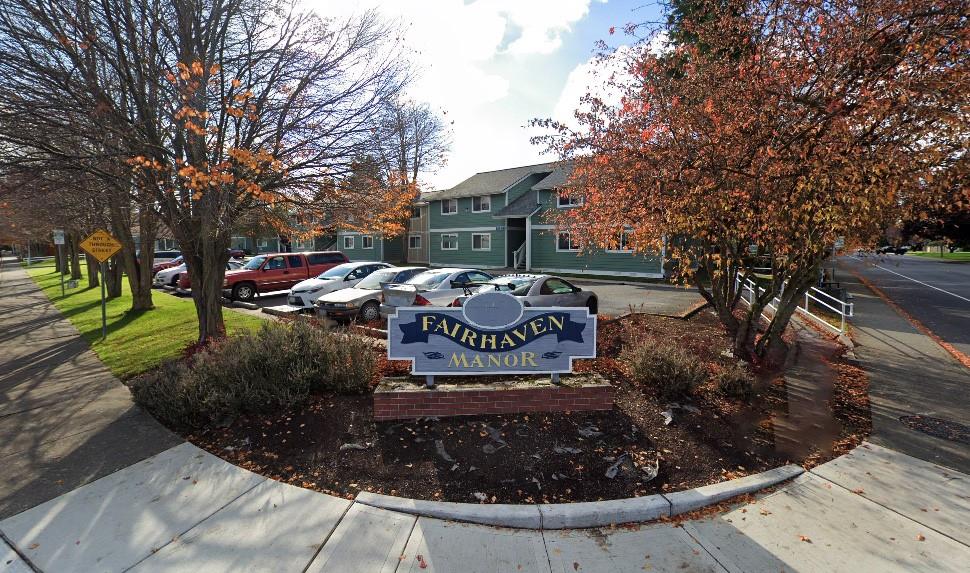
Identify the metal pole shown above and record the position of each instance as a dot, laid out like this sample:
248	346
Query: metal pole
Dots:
60	255
28	252
104	312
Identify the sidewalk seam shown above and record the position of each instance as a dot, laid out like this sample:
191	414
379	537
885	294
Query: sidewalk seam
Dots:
10	543
196	524
327	538
891	510
400	559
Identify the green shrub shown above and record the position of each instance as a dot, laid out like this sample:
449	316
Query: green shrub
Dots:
274	368
734	381
668	368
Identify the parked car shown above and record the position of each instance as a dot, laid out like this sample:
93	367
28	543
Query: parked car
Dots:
278	271
436	287
158	267
166	256
339	277
184	284
538	290
168	276
363	300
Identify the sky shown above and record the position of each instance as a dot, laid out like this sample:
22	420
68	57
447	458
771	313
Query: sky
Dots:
493	65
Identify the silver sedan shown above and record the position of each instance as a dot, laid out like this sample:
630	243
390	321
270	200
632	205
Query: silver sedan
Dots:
541	291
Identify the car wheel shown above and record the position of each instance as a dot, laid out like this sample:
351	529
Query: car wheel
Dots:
174	281
244	292
370	311
592	305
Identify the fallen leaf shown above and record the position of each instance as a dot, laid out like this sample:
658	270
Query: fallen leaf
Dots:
421	562
919	537
804	538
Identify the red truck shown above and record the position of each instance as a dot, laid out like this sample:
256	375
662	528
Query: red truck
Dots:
277	271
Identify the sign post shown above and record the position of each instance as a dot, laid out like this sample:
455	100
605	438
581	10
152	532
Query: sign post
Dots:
102	247
59	241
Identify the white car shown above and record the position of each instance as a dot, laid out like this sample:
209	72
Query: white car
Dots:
169	277
363	301
436	287
304	293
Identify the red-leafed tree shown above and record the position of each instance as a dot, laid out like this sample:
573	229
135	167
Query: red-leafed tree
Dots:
780	125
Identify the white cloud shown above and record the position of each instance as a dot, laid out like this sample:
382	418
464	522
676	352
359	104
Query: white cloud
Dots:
591	77
464	52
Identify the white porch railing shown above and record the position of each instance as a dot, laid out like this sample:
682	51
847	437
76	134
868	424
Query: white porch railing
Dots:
844	310
518	257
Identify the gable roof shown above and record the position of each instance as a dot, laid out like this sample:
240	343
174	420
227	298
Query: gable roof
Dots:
524	206
557	179
490	182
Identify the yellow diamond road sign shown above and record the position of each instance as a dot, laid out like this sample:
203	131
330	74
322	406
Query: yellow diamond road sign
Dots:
101	245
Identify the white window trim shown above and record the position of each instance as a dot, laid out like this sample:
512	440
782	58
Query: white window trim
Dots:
413	209
442	242
570	205
351	242
443	212
363	242
619	245
489	235
414	236
569	240
489	210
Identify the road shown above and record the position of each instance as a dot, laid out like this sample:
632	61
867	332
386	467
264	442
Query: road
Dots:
918	390
934	292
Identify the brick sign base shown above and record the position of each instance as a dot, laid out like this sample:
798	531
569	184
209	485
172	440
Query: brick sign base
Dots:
396	399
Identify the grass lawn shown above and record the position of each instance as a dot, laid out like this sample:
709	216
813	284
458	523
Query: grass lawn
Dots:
136	342
960	257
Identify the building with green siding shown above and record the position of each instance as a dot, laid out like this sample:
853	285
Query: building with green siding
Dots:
498	220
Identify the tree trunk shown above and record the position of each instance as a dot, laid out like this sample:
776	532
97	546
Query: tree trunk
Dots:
93	270
138	271
112	278
772	344
206	261
73	251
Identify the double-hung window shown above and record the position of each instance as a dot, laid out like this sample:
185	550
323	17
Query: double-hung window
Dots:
349	242
449	206
367	242
623	243
414	242
481	204
565	242
565	200
481	241
449	241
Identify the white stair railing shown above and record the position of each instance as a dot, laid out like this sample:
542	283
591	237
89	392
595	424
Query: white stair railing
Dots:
844	310
518	257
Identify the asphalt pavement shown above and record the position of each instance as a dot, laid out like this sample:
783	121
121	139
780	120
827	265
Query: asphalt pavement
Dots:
934	292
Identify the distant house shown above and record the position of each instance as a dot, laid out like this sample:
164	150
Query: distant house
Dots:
495	219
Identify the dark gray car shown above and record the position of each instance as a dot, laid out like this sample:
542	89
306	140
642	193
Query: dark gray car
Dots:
541	291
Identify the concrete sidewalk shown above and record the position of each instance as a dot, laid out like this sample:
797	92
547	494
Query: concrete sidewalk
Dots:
64	419
105	488
909	374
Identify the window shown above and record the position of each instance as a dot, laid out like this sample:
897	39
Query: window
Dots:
263	243
348	242
478	277
360	272
565	242
325	258
481	204
565	200
481	241
304	244
275	263
623	243
296	261
556	286
367	242
449	206
449	242
414	241
415	212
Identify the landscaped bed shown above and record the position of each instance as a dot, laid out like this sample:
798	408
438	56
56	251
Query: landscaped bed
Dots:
656	439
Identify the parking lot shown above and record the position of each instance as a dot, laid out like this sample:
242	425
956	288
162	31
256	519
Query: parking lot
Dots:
615	297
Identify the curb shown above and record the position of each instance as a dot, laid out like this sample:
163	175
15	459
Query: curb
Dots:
583	514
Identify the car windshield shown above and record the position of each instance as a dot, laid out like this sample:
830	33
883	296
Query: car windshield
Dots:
254	263
515	285
374	280
428	280
337	272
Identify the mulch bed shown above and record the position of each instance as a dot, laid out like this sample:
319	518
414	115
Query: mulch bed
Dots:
332	444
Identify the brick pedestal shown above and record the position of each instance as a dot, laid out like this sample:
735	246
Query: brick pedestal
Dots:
397	399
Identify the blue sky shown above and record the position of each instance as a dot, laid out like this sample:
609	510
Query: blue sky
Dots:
495	64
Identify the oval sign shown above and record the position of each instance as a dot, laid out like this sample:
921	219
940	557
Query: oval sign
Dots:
492	309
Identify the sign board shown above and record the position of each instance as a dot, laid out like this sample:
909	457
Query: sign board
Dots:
72	283
493	333
839	243
101	245
58	236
